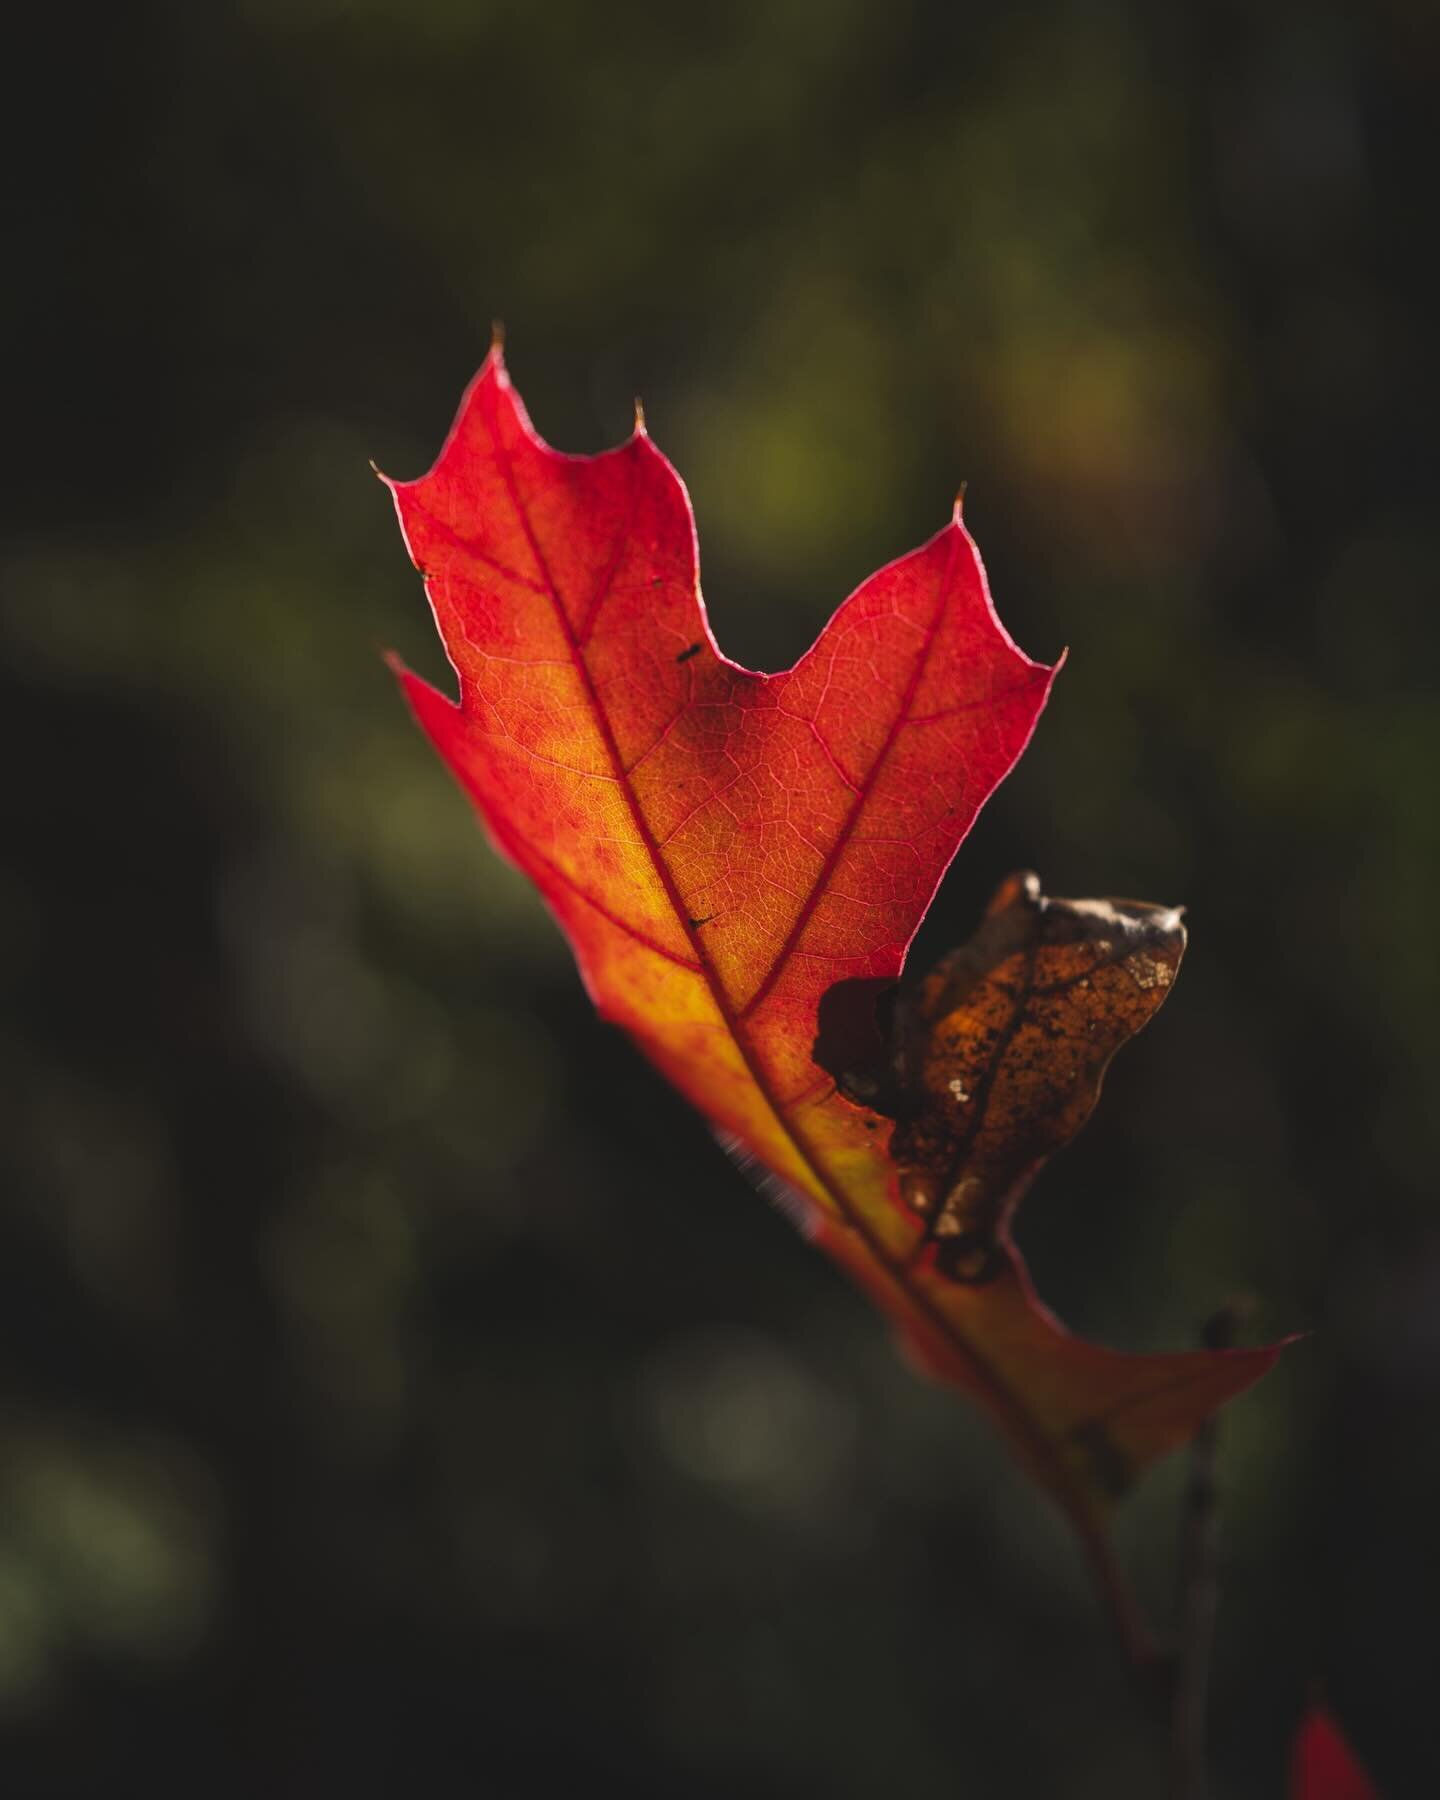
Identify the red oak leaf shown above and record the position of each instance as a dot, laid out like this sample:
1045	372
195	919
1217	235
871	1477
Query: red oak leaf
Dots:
725	849
1322	1764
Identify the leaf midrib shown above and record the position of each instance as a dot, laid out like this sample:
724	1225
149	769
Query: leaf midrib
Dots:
1001	1391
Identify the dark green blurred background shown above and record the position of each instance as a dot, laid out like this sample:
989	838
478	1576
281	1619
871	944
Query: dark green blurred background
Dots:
399	1393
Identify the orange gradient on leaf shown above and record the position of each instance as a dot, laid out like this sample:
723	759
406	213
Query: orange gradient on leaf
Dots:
721	846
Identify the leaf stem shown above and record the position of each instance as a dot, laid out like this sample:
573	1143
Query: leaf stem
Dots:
1199	1594
1136	1641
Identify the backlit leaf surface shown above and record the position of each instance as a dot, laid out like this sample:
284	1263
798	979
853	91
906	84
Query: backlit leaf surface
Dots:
723	847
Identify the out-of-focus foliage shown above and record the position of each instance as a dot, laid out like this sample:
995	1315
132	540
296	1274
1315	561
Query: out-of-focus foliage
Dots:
397	1389
1322	1764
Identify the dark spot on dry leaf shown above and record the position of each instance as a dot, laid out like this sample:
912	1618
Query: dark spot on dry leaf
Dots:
993	1061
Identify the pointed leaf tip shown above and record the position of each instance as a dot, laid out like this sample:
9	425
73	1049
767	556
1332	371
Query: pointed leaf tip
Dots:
566	591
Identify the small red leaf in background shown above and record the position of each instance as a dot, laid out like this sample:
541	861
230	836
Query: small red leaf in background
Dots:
1322	1764
726	851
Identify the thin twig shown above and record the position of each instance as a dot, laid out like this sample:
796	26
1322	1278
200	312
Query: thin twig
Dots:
1199	1594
